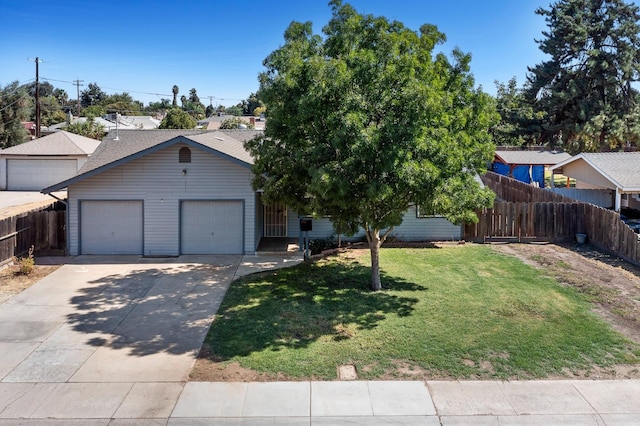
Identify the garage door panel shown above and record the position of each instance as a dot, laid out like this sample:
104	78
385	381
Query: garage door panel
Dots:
211	227
111	227
33	175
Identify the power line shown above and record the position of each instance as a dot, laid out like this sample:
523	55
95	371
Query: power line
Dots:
141	92
18	88
11	104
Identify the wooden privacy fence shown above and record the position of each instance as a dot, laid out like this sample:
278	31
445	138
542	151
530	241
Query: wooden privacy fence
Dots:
509	189
553	221
42	229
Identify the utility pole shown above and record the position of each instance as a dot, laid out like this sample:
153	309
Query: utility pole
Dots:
77	82
37	61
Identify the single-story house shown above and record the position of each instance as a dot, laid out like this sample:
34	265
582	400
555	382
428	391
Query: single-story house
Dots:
41	162
526	166
617	171
172	192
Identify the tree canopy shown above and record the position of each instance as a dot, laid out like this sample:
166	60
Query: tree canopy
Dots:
88	128
14	109
177	119
365	122
586	85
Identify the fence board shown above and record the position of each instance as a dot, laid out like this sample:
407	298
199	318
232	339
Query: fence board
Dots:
42	229
524	211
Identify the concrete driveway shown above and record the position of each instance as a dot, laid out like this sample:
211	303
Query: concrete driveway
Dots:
113	319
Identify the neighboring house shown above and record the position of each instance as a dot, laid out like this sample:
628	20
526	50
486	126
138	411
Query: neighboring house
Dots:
144	122
526	166
214	122
108	125
41	162
172	192
616	171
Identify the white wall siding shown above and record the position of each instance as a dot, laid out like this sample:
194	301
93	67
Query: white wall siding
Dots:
412	228
415	228
158	180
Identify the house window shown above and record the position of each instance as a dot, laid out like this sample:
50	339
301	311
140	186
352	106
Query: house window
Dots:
422	213
184	155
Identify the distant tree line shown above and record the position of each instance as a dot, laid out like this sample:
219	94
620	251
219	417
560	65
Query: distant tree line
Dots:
17	105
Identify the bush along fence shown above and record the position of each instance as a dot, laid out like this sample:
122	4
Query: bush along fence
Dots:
535	214
44	229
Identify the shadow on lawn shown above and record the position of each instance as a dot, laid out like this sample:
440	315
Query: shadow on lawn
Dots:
292	308
157	309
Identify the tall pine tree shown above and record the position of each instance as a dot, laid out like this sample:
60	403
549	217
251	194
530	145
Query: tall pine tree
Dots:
585	87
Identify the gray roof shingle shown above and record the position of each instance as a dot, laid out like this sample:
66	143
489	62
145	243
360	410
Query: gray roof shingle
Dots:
546	158
58	143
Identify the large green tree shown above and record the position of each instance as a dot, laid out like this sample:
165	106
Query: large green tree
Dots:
520	124
14	109
586	84
177	119
366	122
92	95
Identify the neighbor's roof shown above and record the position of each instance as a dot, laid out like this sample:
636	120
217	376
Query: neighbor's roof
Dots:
140	121
58	143
545	158
620	168
132	144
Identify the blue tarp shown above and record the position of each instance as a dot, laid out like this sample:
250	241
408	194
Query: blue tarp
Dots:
537	173
521	173
501	169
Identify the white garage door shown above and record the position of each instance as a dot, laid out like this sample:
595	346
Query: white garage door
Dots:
33	175
211	227
111	227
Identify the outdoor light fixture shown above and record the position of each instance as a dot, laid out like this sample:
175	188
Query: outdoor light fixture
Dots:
184	172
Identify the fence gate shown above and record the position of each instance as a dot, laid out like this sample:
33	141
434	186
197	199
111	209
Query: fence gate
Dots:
275	220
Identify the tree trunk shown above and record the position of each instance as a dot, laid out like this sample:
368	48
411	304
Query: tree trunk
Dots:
374	245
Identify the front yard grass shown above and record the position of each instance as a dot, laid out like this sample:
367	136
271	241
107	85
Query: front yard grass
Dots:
452	312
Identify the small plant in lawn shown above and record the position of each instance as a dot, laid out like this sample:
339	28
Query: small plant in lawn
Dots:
26	265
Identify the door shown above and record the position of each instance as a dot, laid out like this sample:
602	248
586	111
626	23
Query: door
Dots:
111	227
34	175
275	220
211	227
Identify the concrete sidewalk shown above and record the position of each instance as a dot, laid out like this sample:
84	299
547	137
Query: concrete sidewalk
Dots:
615	402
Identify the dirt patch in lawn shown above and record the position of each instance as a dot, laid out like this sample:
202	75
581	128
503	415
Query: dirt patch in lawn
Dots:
611	283
13	282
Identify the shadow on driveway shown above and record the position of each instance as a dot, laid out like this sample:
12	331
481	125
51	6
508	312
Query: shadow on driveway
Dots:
165	307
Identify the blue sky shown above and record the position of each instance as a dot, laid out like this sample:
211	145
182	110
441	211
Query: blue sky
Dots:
217	47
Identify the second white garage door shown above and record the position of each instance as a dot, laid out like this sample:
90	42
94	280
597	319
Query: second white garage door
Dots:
33	175
111	227
211	227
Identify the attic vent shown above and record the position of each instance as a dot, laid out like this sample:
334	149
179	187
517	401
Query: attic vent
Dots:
184	155
219	138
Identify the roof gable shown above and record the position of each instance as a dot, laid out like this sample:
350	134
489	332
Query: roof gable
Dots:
622	169
58	143
135	144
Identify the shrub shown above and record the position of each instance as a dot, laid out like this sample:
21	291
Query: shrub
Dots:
26	265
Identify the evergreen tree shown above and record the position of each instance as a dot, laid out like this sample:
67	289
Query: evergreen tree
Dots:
14	109
520	124
586	85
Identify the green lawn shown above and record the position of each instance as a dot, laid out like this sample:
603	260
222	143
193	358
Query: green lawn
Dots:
458	311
